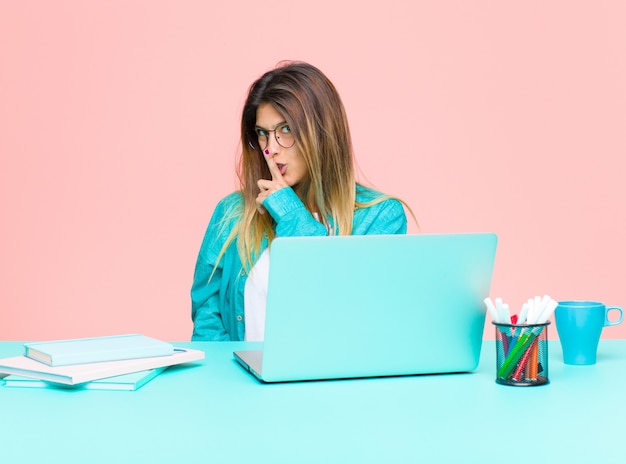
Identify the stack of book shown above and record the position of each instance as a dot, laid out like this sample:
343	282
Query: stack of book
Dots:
121	362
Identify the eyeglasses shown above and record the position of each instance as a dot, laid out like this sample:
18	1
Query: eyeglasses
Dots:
282	134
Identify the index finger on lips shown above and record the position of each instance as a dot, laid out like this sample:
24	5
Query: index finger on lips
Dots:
274	171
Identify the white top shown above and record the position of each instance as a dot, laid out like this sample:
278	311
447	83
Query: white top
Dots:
255	297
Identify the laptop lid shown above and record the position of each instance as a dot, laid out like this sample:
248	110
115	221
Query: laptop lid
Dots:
374	305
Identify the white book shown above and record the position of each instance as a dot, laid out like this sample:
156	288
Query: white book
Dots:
96	349
127	382
79	373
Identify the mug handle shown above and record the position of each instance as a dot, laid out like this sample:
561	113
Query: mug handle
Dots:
607	322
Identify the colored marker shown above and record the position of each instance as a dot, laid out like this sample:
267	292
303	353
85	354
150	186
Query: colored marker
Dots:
517	352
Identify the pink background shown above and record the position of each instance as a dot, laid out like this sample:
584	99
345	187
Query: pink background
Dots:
118	134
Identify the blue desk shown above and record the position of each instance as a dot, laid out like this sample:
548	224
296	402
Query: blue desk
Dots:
214	411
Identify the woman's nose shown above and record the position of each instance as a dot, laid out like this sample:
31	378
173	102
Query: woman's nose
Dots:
272	146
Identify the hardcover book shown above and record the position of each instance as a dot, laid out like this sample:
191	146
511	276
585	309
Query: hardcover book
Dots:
79	373
127	382
99	349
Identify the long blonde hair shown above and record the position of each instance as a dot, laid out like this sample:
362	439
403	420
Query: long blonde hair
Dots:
311	106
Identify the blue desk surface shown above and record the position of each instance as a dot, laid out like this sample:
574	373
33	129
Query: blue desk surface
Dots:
214	411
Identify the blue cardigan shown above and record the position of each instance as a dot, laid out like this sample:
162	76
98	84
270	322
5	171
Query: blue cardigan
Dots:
217	306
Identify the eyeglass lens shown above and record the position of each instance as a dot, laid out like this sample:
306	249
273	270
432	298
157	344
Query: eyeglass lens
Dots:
282	134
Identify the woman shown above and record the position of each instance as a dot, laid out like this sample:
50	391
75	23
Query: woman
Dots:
297	178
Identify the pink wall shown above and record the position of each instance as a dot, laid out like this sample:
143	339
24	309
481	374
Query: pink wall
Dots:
118	134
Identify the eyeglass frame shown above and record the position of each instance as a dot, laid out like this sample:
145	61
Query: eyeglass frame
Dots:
267	137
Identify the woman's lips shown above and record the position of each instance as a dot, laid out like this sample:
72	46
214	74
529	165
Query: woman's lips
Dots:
282	168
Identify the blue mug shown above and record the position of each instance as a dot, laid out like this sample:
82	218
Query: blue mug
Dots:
579	325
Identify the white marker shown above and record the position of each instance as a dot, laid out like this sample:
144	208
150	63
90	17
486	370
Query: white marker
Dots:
547	313
506	313
530	318
523	314
502	313
491	309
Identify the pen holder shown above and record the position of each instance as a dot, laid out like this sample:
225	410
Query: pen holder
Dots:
522	354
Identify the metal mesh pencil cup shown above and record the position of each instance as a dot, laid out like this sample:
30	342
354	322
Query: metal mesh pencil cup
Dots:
522	354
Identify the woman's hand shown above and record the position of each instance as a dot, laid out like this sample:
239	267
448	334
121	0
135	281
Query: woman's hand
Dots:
267	187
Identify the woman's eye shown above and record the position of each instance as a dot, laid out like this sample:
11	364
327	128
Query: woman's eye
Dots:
285	129
261	132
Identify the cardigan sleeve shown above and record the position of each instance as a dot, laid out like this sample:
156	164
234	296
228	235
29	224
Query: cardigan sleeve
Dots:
291	216
293	219
208	280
